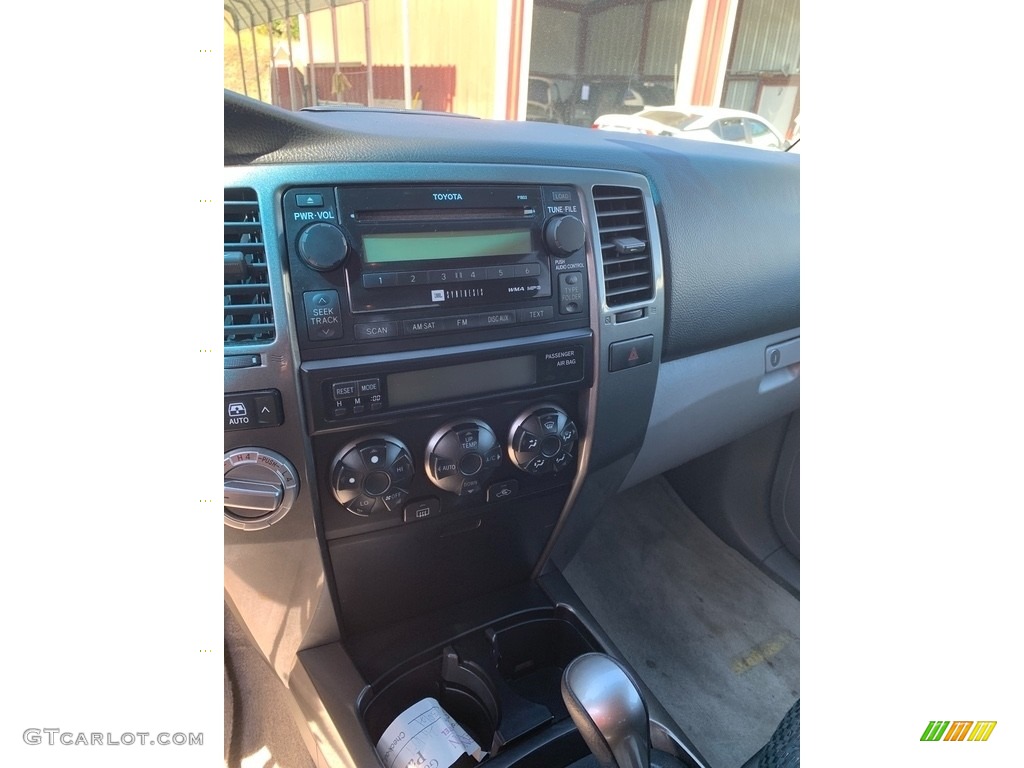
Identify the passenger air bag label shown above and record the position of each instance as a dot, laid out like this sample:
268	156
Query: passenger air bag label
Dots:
560	365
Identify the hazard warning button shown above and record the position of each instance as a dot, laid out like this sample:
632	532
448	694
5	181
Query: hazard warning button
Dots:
630	354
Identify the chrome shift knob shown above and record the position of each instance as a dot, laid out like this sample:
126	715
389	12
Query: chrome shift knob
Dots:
608	711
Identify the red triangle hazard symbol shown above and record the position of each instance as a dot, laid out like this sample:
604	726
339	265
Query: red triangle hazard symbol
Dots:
633	356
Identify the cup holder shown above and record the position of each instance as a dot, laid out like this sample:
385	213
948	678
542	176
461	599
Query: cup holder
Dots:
530	657
465	693
501	684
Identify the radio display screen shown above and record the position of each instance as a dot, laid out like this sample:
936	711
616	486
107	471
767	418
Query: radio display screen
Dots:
432	384
429	246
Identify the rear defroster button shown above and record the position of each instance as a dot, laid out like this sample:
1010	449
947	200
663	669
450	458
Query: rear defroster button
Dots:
421	509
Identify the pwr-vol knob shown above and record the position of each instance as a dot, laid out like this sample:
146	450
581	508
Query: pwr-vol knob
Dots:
461	455
371	476
323	246
542	440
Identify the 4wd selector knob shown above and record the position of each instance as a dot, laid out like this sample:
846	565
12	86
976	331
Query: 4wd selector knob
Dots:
542	440
461	455
371	475
260	487
564	234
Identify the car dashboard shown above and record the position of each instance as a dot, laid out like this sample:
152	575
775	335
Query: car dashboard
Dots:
447	342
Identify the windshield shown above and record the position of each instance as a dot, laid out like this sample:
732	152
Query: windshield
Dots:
557	61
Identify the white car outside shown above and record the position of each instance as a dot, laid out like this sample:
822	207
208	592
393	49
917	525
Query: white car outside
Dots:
728	126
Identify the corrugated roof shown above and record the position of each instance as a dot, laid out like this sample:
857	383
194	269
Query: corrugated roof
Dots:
251	13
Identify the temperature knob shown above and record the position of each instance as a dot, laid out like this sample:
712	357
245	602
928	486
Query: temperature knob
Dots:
461	455
542	440
371	475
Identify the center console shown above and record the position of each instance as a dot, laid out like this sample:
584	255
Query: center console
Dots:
445	340
446	343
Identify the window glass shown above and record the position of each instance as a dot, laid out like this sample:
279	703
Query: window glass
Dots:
731	129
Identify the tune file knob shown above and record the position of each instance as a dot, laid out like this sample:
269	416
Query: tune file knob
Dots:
564	234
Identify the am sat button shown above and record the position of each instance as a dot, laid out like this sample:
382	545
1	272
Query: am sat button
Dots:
630	354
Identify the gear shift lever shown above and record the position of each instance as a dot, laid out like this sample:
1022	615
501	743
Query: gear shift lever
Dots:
608	711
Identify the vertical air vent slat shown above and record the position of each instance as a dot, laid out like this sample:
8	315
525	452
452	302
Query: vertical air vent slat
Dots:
248	313
625	245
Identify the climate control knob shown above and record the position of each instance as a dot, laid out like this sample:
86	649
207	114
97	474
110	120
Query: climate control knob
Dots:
542	440
461	455
371	475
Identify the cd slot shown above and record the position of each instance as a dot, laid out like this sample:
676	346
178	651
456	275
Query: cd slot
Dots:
434	214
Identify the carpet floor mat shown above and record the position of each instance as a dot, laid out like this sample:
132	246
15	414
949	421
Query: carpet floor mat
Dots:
716	640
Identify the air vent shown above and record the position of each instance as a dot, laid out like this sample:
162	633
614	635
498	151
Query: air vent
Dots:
248	314
625	245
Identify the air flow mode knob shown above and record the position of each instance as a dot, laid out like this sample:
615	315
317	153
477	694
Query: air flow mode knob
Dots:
542	440
461	455
563	234
323	246
371	475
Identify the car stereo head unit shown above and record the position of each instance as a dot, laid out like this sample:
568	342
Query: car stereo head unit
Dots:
399	263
